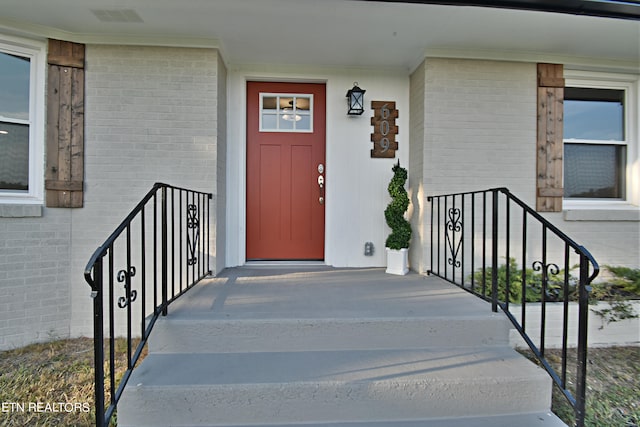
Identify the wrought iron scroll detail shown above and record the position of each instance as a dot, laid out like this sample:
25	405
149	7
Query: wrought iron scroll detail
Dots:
193	233
130	295
453	236
550	293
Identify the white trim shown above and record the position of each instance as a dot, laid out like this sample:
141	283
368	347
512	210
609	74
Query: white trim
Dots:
36	52
599	210
585	63
236	178
616	81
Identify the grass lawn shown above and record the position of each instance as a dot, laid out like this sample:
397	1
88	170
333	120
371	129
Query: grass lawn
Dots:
613	387
60	373
55	372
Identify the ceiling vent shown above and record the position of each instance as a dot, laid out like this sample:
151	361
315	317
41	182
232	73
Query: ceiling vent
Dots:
117	15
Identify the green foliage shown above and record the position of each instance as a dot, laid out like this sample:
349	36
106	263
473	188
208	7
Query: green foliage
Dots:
533	280
626	279
617	310
617	291
400	236
624	285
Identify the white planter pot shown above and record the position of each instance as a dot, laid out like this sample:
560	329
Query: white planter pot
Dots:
398	261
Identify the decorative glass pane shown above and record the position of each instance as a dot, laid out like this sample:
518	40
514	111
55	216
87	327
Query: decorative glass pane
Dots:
269	121
594	114
304	123
286	113
285	122
14	156
286	104
594	171
14	86
303	104
270	104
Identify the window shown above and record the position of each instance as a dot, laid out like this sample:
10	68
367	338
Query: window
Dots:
21	122
14	122
286	113
600	138
594	143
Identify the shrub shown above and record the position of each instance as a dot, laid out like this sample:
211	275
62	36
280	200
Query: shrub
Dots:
400	236
533	281
617	291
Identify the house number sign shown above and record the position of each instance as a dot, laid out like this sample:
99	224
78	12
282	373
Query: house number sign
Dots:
384	129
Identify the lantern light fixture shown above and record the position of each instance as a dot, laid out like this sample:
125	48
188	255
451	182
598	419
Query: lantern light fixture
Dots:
355	98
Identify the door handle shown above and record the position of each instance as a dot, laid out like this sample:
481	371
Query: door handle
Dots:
321	187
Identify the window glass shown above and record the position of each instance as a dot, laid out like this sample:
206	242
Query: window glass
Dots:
304	122
14	86
270	104
269	121
594	114
594	171
14	122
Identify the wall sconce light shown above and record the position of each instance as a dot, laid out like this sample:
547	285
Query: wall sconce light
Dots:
355	97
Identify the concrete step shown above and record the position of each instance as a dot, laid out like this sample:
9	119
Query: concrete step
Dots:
175	335
542	419
298	387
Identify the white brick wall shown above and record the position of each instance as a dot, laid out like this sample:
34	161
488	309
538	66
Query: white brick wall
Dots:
416	170
610	242
480	126
34	278
151	116
480	132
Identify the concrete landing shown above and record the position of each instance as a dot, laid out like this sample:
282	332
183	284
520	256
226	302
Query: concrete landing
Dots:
323	293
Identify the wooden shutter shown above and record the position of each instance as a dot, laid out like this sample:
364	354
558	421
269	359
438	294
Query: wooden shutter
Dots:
549	189
65	125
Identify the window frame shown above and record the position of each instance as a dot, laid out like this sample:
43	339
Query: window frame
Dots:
36	52
628	84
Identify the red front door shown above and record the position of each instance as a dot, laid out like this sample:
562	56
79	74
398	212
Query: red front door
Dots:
285	162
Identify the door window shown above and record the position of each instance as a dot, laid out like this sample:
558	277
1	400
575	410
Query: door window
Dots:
286	112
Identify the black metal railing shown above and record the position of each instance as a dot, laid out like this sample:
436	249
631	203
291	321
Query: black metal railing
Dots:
485	241
156	254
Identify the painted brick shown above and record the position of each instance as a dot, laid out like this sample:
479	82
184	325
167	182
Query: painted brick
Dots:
480	119
152	116
479	132
416	169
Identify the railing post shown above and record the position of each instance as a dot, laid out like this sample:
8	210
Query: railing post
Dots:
98	342
583	315
164	250
494	252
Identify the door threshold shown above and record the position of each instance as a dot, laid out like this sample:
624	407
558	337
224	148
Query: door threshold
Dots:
283	263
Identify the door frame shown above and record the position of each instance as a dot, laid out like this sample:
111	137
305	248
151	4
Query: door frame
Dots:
236	233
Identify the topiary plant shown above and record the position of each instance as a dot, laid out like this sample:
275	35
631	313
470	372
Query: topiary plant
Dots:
394	213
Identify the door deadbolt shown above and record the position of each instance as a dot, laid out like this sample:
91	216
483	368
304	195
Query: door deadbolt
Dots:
320	168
